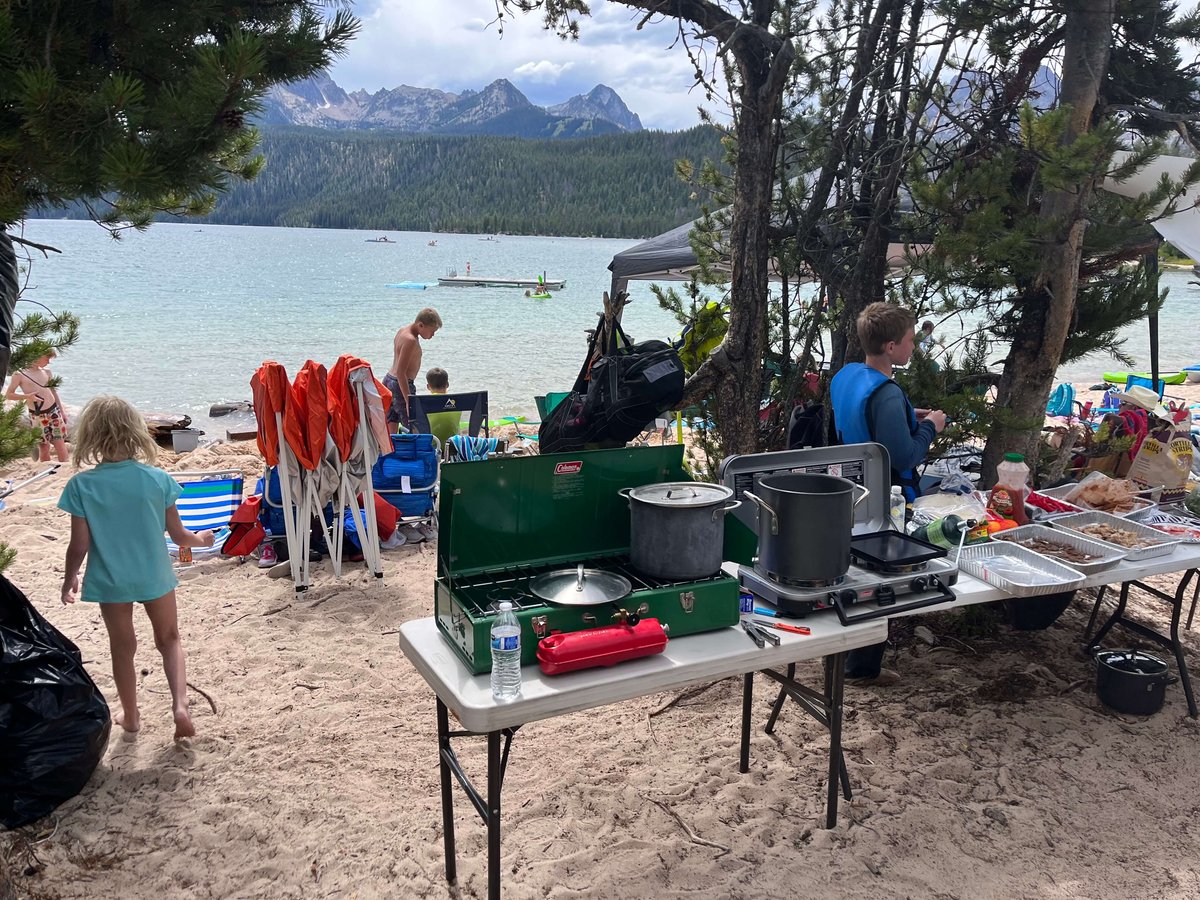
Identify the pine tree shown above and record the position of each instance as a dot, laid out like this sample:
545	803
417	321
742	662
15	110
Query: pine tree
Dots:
134	108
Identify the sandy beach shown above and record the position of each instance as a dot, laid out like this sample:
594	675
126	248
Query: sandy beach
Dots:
990	771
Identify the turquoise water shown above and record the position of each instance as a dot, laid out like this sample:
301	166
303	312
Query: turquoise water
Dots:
179	317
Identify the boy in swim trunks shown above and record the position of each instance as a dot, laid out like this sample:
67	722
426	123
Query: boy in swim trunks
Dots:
406	363
36	384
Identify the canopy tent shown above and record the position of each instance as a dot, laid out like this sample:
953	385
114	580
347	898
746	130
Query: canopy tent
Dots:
669	256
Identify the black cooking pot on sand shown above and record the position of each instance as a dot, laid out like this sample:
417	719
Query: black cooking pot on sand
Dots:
804	525
1131	681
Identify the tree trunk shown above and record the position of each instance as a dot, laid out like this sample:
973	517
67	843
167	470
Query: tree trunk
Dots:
1048	305
9	291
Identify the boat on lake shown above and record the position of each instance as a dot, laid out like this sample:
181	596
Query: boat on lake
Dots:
456	280
380	240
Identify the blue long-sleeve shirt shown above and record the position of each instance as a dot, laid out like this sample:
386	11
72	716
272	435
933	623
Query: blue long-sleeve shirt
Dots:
887	414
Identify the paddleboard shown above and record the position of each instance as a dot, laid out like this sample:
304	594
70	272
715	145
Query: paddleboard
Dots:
1164	377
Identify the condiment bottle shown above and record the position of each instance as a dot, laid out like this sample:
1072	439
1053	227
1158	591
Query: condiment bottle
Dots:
1012	484
945	532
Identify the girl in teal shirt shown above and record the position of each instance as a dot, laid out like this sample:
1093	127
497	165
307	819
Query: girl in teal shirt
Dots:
119	511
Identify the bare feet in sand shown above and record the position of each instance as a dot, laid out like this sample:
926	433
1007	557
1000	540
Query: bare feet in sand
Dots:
130	724
183	725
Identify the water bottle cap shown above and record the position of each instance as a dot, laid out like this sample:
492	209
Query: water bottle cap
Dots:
505	606
1014	457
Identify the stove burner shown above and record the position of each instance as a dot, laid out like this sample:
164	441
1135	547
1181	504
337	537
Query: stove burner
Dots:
892	569
802	584
505	594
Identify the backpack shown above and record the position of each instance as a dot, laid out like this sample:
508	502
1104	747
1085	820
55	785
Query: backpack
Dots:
246	532
617	397
1062	401
808	426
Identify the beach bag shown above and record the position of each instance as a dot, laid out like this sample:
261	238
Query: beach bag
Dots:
406	476
808	426
54	722
246	532
615	398
1062	401
271	514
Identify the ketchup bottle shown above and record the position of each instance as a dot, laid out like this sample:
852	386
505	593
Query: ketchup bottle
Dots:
1012	484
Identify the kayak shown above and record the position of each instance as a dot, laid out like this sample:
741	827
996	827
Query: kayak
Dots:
1164	377
539	296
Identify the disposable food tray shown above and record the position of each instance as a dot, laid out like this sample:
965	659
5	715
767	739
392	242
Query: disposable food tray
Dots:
1161	546
1053	577
1110	554
1140	504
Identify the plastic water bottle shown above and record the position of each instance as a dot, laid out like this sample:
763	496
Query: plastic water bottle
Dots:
896	508
506	654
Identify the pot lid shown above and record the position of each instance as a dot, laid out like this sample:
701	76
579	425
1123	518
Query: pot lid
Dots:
681	494
580	586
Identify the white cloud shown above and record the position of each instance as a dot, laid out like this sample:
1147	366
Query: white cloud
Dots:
459	46
542	71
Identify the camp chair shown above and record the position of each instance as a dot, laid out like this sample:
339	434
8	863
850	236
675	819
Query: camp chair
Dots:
1159	387
546	402
207	503
425	406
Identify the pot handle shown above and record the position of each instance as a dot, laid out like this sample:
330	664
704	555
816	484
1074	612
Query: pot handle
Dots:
762	506
579	578
865	493
625	492
730	506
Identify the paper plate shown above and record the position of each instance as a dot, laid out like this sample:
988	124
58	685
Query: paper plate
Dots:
1189	534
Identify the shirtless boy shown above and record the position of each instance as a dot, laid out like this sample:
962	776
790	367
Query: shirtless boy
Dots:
406	363
45	409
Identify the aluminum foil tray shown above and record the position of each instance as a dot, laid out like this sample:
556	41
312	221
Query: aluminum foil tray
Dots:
1140	504
1042	575
1162	545
1110	554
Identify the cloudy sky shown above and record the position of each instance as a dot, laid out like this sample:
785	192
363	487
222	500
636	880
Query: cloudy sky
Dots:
454	45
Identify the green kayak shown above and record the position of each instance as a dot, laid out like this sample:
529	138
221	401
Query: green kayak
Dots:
1164	377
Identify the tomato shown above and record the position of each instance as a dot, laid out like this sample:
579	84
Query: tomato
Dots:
995	527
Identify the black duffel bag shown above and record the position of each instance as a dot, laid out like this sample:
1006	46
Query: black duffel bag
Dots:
54	722
617	398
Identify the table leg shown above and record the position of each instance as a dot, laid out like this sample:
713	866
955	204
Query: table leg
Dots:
1095	612
778	707
443	724
834	683
1180	662
1117	615
493	823
747	703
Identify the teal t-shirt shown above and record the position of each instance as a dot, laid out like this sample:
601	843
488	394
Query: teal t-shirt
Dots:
125	504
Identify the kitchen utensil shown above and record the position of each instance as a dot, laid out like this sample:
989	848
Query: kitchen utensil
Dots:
677	528
579	586
1132	681
804	525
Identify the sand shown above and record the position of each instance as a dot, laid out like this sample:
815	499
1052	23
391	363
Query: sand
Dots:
990	771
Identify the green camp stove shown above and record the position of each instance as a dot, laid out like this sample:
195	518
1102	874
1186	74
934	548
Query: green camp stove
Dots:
505	521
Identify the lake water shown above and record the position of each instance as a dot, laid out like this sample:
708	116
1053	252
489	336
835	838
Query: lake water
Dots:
179	317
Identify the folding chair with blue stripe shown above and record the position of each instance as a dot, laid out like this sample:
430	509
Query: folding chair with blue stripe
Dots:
207	503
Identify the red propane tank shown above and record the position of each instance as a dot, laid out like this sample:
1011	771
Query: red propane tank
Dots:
605	646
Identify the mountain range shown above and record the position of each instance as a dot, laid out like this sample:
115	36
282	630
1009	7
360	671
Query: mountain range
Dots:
498	109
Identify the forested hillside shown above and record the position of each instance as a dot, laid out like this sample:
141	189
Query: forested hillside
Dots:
621	185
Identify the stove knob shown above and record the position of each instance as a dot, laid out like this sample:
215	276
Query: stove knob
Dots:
919	584
847	595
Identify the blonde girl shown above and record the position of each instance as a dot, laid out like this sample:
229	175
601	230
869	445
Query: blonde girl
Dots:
119	510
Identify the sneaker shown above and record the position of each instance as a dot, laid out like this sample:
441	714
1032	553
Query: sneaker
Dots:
885	678
267	556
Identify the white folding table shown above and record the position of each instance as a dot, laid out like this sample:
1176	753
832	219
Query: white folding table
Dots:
688	660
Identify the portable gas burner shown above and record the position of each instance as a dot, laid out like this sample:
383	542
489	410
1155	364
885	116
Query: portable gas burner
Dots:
504	522
890	570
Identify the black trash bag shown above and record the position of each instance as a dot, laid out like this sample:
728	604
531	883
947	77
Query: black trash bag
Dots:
54	722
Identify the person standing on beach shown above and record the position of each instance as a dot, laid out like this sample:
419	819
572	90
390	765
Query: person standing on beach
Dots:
36	384
406	363
869	406
119	511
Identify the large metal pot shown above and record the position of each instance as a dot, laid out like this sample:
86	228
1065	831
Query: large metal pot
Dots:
677	528
1131	681
804	526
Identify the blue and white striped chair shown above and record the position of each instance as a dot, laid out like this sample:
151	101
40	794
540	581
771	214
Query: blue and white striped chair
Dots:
207	503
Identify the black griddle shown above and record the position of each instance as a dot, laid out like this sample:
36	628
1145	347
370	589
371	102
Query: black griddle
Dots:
888	550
